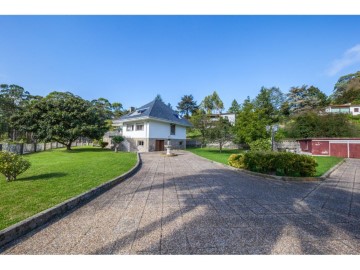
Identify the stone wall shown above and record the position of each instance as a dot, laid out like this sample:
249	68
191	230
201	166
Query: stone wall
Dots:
27	148
288	146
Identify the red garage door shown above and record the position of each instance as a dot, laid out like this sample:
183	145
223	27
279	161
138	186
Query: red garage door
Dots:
339	150
354	150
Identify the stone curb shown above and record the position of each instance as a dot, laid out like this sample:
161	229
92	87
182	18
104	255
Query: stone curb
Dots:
21	228
275	177
327	174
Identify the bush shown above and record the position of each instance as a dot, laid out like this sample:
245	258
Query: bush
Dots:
11	165
236	160
279	163
260	145
103	144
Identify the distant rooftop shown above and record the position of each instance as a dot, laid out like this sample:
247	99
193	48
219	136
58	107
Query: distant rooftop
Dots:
155	109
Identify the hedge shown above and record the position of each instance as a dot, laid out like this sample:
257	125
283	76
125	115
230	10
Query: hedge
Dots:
278	163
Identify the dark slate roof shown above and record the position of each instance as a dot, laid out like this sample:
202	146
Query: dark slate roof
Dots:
156	109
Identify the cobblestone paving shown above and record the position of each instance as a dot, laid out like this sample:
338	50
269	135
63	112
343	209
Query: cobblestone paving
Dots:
187	205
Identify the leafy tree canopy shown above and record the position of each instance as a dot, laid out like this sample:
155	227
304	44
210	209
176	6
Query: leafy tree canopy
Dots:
311	124
63	117
304	98
250	123
269	101
347	89
213	103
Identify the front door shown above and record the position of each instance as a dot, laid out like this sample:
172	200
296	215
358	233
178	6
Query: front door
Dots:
159	145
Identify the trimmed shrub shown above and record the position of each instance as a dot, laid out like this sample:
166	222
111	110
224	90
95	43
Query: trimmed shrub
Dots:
103	144
11	165
236	160
279	163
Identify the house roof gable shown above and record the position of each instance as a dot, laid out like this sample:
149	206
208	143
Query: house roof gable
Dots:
156	110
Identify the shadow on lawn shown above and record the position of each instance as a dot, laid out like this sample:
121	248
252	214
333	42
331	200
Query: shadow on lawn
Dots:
44	176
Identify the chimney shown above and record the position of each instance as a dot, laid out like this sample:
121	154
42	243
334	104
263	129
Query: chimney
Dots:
132	109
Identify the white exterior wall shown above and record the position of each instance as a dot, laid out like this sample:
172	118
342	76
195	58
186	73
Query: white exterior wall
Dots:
136	133
353	111
162	131
230	117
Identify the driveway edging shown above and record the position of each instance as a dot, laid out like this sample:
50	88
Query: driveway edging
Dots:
23	227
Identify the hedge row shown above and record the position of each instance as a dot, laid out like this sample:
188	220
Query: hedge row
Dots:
279	163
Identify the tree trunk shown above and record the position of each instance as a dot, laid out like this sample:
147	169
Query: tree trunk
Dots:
68	146
220	144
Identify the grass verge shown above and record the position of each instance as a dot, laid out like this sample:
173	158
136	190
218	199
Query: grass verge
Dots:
58	175
324	163
214	154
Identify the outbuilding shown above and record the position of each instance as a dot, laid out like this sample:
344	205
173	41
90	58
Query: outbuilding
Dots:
337	147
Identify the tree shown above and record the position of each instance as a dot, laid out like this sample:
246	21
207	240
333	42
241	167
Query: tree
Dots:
117	140
235	107
213	103
117	109
201	121
219	131
104	105
250	124
311	124
12	99
158	97
269	101
304	98
63	117
347	89
187	106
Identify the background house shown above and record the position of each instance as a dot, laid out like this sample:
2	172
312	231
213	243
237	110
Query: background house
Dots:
228	116
354	109
149	127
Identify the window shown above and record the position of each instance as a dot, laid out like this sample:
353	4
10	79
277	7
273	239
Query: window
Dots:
139	126
172	129
140	143
129	127
356	109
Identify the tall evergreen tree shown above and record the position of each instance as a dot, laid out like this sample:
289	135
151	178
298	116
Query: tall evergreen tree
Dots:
304	98
235	107
187	105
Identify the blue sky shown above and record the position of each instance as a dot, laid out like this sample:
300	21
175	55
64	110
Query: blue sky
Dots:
130	59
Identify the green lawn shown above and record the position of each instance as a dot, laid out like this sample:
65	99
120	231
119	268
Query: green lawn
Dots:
324	163
57	175
214	154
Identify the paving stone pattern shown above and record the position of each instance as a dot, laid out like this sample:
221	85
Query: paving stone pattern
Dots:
187	205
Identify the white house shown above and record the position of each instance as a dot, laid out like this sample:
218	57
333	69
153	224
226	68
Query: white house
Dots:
149	128
345	108
228	116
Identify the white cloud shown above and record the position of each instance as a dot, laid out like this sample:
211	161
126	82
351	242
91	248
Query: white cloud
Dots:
350	57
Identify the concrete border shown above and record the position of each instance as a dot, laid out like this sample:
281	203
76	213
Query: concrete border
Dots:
275	177
23	227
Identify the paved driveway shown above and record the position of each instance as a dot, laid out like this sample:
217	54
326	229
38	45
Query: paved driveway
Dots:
188	205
